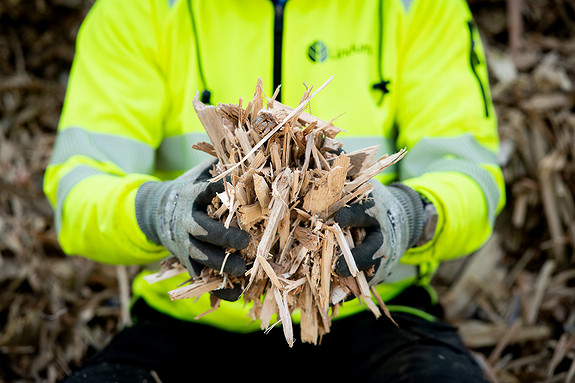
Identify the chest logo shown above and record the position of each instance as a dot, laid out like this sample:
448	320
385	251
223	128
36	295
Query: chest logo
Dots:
319	52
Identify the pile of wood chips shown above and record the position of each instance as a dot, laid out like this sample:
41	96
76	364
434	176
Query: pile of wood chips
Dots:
286	175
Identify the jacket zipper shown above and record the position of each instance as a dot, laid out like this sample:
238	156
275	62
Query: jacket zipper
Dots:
279	6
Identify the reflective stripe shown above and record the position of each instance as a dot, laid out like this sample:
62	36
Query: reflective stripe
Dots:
130	155
478	174
460	154
406	4
67	182
386	146
176	154
464	146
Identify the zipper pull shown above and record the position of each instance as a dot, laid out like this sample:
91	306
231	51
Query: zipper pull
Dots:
206	97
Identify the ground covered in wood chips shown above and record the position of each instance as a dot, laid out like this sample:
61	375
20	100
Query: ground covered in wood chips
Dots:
513	300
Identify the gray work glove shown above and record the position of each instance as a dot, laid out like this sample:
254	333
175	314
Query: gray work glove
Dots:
173	214
393	217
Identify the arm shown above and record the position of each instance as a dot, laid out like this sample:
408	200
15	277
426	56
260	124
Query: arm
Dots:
110	126
447	121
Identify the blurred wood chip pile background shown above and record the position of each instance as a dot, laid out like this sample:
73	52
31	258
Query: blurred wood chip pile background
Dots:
514	300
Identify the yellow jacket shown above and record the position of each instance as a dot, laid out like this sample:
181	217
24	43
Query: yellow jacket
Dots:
408	73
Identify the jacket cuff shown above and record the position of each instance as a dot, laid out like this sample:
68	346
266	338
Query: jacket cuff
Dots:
413	206
148	205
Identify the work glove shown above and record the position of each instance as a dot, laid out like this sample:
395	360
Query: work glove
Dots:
393	217
173	214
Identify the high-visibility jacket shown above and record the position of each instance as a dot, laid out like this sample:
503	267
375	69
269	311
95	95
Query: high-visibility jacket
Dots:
408	73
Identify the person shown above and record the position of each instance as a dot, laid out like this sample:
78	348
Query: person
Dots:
408	73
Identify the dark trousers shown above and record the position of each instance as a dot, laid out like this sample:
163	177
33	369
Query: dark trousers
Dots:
359	347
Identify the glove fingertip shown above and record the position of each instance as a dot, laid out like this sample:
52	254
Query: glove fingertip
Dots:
230	294
340	216
234	265
237	238
355	215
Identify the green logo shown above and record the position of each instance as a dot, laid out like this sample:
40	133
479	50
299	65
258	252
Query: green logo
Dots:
317	51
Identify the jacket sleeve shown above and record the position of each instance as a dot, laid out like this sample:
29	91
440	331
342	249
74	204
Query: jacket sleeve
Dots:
447	121
111	124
